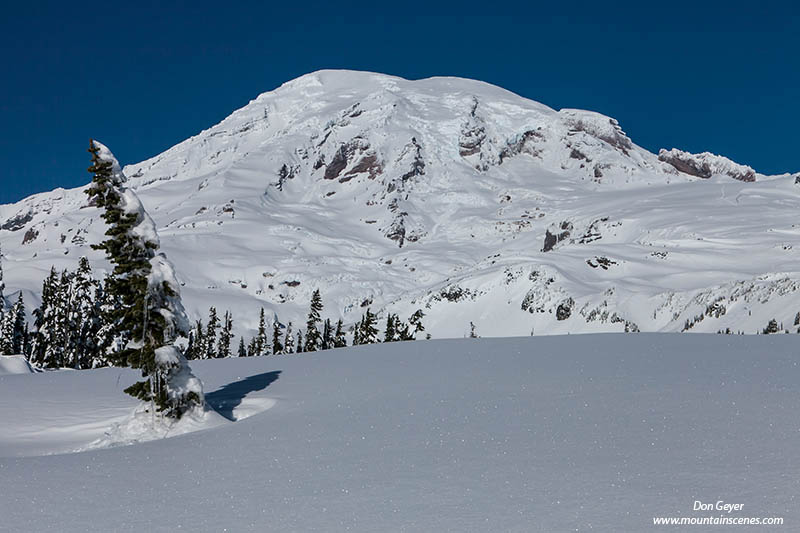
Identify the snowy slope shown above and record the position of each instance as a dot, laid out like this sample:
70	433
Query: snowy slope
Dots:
577	433
14	364
447	194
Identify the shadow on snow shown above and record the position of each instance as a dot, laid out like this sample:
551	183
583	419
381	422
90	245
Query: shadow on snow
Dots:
226	399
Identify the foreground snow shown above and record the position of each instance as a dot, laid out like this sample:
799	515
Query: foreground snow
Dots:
568	433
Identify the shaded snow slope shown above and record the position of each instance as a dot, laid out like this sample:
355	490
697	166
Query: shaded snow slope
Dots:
447	194
587	432
14	364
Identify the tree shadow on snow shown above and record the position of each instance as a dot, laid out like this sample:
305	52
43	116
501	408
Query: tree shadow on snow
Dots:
226	399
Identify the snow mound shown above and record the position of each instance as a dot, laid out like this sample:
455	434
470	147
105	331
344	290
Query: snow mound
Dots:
143	426
14	364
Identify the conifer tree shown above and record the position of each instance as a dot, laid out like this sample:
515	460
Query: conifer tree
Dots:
211	334
313	338
252	349
42	321
225	336
83	318
339	338
327	335
261	347
390	333
19	330
242	352
148	308
109	342
416	323
300	341
200	340
190	352
277	345
357	331
368	333
2	284
288	340
6	333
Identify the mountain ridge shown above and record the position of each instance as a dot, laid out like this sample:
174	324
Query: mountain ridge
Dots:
448	194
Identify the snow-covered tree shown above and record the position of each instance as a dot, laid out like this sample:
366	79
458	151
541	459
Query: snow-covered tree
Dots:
41	339
149	306
300	341
242	352
225	336
277	345
326	342
368	333
19	330
2	284
83	318
262	343
416	324
211	334
6	333
288	340
339	338
196	349
313	337
391	333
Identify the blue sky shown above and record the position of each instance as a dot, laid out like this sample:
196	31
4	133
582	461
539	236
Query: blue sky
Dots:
142	76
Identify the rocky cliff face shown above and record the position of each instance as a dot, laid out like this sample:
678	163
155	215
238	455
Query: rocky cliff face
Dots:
447	194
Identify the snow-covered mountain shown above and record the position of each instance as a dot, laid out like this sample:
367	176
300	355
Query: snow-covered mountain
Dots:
450	195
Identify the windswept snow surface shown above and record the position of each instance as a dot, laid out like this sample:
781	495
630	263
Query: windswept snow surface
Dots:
575	433
450	195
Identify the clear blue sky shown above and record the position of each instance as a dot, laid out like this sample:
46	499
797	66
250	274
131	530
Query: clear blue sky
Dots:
721	77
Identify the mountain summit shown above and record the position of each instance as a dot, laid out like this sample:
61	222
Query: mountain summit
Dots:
450	195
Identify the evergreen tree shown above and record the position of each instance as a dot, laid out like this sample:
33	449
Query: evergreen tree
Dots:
288	340
339	338
242	350
190	352
327	335
390	333
19	330
109	341
252	349
2	284
262	346
368	333
211	334
472	334
225	336
6	333
357	331
772	327
313	338
416	323
43	321
83	318
300	341
149	311
277	345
